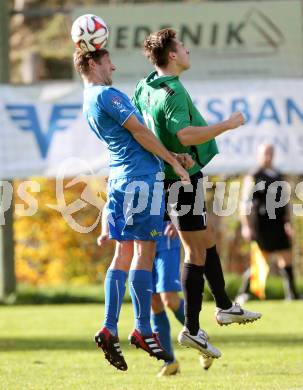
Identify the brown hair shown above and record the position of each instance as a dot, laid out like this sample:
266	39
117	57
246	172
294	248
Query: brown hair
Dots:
81	59
158	44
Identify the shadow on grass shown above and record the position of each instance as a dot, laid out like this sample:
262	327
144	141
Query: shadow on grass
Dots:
260	339
36	344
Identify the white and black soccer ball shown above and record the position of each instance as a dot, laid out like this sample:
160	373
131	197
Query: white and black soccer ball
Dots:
89	32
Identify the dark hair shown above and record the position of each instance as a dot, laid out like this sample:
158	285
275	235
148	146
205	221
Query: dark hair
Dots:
158	44
81	59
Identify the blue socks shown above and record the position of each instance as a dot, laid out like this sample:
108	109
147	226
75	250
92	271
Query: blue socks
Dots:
114	287
161	325
179	314
140	288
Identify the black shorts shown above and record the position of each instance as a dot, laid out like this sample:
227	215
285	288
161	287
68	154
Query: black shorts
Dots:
185	205
270	235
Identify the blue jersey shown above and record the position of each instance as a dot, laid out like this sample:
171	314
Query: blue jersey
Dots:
166	243
106	110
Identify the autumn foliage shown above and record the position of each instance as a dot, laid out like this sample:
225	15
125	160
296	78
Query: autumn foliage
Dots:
48	250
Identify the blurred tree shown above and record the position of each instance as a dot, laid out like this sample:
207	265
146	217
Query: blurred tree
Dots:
42	28
49	251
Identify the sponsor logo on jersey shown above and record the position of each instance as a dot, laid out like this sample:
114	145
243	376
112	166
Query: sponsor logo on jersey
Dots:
154	233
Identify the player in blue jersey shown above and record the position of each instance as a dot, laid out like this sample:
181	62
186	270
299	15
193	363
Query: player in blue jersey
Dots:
166	288
135	206
167	285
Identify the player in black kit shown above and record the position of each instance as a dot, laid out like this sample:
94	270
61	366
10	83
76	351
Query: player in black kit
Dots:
269	226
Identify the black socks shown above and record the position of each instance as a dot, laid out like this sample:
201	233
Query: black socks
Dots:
290	290
288	282
193	288
215	278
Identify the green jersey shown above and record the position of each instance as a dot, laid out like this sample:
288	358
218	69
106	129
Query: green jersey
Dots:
167	108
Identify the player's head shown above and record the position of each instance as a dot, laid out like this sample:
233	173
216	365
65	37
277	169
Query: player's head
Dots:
95	66
164	50
265	155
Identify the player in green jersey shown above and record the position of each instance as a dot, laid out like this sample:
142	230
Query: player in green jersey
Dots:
171	115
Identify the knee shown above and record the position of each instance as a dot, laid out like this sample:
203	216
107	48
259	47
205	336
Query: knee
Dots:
123	256
157	305
284	259
121	262
210	237
195	255
171	301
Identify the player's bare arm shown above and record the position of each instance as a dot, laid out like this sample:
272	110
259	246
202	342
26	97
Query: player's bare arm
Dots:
195	135
103	239
149	142
245	208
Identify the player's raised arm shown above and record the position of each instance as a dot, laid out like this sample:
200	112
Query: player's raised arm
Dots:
149	142
178	109
195	135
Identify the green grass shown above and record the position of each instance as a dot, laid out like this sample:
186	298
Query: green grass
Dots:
28	294
50	347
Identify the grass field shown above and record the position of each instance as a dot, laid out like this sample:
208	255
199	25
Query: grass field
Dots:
50	347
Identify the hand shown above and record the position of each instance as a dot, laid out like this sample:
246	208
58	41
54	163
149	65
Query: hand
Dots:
235	120
185	160
289	229
246	232
180	171
103	239
171	231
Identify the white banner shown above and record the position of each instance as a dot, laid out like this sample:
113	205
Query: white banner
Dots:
274	113
235	39
41	127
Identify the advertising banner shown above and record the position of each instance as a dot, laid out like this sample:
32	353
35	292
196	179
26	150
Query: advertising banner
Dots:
226	39
42	127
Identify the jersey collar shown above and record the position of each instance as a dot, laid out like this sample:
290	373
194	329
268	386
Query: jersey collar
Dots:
154	80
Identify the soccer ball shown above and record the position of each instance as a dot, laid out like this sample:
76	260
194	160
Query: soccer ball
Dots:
89	32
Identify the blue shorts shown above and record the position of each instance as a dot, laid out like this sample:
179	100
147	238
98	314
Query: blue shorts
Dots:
135	208
166	271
